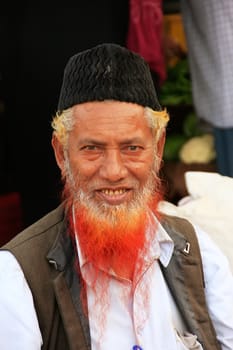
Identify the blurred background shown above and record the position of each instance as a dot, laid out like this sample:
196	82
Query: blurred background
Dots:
37	38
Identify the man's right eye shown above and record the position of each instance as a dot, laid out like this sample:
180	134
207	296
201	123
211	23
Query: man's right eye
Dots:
89	148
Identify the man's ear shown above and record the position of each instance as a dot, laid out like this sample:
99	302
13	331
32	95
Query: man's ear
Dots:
58	151
161	143
160	146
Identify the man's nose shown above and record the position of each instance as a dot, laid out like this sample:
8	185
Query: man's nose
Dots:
113	167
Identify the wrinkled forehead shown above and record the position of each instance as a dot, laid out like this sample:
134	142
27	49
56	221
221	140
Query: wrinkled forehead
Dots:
110	119
107	110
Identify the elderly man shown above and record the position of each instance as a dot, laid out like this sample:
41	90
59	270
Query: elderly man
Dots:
106	270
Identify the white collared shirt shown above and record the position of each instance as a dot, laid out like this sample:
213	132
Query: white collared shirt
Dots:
126	323
142	315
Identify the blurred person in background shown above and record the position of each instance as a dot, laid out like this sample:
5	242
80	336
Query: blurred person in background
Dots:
209	31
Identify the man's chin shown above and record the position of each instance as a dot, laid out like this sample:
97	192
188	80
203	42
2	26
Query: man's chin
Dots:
110	234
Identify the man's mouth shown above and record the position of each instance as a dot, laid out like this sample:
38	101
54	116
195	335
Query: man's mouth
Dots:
113	196
110	192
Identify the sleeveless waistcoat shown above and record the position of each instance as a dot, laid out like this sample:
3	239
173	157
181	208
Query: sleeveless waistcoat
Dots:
46	255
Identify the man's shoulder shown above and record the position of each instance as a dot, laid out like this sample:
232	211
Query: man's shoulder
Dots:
49	225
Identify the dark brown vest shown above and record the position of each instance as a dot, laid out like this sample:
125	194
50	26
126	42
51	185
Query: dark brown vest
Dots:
45	253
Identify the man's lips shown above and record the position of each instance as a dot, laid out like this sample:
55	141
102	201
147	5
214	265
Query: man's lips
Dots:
113	196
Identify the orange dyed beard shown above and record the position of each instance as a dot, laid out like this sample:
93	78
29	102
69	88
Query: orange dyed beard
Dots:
111	237
111	245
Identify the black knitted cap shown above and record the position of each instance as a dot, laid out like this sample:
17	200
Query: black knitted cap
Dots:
107	72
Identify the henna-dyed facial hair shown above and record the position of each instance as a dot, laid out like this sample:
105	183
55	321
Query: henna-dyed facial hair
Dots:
112	236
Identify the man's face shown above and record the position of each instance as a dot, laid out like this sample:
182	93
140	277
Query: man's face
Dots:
110	151
110	170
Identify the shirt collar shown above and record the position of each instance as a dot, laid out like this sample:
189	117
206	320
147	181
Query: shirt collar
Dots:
165	243
82	258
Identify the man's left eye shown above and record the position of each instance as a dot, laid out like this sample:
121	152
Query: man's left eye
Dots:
133	148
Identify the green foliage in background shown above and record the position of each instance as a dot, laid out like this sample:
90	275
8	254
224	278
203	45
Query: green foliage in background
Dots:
174	142
177	89
191	126
172	146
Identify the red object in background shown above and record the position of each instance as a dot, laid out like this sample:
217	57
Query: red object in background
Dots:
145	33
11	221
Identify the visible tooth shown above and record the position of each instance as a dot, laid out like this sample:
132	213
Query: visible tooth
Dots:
113	192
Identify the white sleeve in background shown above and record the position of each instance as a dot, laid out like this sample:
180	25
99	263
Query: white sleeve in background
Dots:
19	328
219	289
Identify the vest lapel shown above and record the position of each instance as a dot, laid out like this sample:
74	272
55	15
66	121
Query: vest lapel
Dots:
179	284
71	320
67	291
184	276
